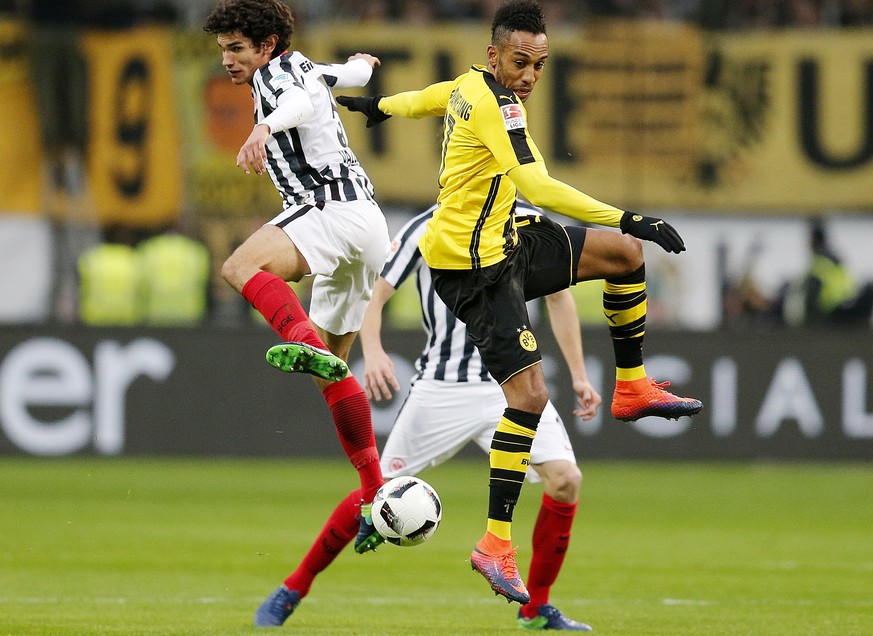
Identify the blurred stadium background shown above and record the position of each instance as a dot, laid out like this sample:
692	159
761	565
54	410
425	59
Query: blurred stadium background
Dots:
747	123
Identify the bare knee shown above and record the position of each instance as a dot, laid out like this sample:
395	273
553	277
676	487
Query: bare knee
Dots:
609	255
532	401
526	391
235	271
632	253
562	480
269	249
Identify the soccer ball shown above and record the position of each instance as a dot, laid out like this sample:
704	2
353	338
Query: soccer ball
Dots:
406	511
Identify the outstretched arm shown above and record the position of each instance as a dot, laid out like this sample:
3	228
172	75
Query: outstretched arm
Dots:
428	102
355	72
541	189
565	326
380	378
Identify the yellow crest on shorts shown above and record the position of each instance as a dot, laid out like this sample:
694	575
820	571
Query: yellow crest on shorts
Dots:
527	340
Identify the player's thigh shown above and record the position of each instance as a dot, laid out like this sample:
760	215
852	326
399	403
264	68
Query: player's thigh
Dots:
490	302
608	254
550	252
437	420
268	249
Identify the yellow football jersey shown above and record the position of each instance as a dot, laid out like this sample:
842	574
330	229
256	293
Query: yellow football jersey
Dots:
484	136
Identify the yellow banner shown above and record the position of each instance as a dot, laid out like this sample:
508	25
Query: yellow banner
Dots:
644	115
615	109
20	143
788	122
648	115
134	165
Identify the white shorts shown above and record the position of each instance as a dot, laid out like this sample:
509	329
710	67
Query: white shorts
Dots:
346	244
439	418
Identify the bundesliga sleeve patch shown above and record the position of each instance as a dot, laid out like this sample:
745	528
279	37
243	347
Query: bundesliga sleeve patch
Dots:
283	81
513	116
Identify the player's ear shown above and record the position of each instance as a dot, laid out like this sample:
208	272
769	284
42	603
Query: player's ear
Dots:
269	44
491	51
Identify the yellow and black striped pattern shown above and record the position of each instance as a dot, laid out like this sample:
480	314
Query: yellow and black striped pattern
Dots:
624	305
509	459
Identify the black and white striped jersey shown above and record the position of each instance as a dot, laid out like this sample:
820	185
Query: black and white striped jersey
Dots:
311	162
448	353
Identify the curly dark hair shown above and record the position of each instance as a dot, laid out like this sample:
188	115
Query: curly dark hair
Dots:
254	19
517	15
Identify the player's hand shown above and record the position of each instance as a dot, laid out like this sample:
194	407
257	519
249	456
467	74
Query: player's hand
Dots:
379	377
372	60
587	398
653	229
253	154
367	105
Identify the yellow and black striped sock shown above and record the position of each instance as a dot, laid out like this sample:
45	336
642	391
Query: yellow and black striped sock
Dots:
624	305
509	458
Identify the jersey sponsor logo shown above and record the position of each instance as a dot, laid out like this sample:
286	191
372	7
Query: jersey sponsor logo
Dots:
527	340
513	116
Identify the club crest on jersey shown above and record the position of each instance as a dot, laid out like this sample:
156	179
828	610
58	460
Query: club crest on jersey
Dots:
513	116
527	340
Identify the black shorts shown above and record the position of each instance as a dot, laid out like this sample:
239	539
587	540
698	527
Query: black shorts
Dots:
491	300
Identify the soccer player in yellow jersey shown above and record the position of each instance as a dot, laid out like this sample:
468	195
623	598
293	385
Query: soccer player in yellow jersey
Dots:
484	273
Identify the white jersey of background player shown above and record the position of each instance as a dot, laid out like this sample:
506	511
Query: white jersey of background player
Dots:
453	398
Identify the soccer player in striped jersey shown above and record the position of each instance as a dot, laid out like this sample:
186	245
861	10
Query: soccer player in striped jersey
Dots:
330	227
484	270
452	402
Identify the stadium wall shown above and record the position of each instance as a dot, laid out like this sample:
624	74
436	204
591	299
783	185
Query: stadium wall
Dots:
786	394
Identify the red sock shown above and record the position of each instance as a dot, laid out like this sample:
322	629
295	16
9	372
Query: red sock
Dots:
278	303
351	414
551	536
341	527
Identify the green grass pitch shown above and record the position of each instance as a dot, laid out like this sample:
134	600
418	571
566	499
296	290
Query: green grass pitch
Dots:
190	547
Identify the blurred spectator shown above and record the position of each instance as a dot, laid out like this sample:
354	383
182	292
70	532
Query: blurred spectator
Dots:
854	13
801	13
59	79
828	294
641	9
109	279
174	280
738	14
162	280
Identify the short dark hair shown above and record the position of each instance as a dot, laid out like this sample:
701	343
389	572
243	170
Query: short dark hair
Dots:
254	19
517	15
